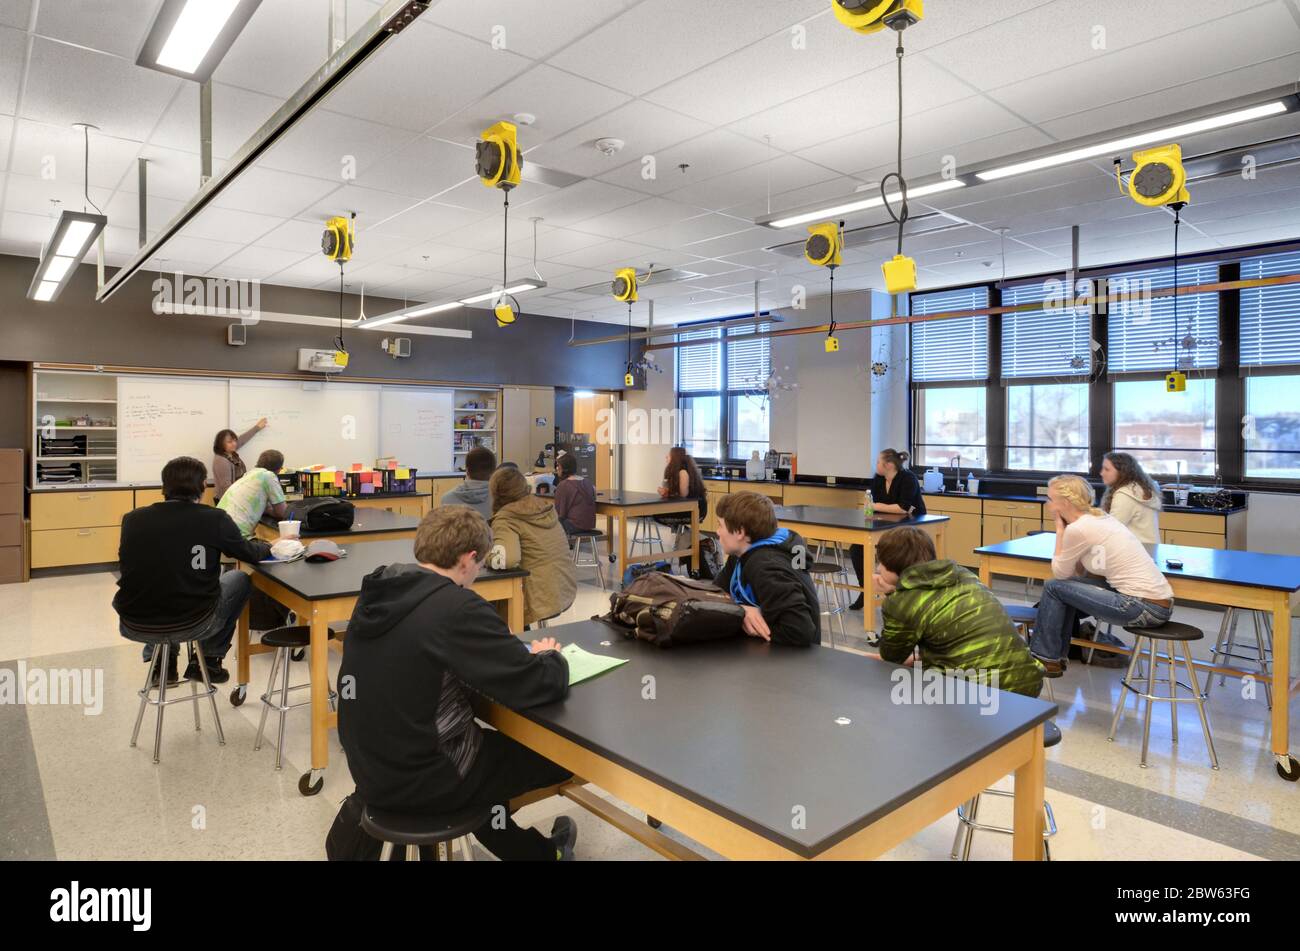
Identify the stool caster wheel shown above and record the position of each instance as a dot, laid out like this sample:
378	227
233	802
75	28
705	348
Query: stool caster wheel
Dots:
305	785
239	695
1290	770
298	654
652	822
613	559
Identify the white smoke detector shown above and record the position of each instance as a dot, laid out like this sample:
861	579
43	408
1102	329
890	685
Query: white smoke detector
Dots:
609	146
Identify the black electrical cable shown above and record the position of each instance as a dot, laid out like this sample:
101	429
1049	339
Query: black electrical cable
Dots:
831	332
902	215
505	240
86	167
338	341
1178	343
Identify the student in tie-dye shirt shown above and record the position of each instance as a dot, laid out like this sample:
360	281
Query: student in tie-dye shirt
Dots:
256	493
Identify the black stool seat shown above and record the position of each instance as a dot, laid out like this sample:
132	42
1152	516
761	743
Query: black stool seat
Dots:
1021	613
824	568
1051	734
1169	631
299	636
401	829
587	533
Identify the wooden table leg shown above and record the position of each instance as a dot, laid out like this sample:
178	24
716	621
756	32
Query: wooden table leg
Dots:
695	538
320	674
1027	839
515	606
1282	676
622	544
986	576
868	582
242	639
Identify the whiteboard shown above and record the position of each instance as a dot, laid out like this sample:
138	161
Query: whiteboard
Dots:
160	418
325	423
415	425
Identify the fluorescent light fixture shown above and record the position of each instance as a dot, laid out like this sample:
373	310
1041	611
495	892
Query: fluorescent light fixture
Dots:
517	288
581	394
1129	142
423	310
190	37
418	310
861	204
74	233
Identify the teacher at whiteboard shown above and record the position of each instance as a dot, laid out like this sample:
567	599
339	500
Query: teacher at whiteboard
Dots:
227	467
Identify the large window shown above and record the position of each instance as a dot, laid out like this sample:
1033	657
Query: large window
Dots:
1052	341
950	421
1047	427
1149	334
1169	433
1272	427
1270	341
722	392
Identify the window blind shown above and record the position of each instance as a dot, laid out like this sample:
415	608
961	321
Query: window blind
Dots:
699	368
1142	332
1270	316
1054	341
749	358
956	349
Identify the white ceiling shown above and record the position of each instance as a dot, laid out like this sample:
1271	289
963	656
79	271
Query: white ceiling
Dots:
770	104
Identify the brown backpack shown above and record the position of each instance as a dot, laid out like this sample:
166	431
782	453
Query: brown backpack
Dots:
667	610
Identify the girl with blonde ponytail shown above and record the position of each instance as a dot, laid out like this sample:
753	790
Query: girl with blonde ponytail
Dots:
1099	568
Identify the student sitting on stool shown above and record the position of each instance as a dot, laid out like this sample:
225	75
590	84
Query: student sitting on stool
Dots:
170	565
942	608
575	497
419	641
529	536
258	492
479	463
766	571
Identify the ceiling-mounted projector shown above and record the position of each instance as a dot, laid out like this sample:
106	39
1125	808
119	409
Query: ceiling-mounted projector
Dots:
322	361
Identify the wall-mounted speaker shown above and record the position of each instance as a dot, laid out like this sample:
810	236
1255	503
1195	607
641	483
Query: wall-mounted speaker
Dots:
237	334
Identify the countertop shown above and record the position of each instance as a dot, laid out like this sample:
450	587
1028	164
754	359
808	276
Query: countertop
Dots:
998	497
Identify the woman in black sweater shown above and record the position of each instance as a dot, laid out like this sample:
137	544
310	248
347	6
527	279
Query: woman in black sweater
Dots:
894	491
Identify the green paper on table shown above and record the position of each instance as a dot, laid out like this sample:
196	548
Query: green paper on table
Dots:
583	665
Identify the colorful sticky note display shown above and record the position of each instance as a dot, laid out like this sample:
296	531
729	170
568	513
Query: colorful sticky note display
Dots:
339	478
403	473
356	467
367	488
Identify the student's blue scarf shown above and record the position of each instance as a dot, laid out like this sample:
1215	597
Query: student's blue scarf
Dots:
742	593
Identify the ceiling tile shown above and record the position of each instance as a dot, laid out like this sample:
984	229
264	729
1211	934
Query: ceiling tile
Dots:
645	128
277	193
533	30
13	50
83	22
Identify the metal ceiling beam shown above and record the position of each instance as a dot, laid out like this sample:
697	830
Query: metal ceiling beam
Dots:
392	18
669	331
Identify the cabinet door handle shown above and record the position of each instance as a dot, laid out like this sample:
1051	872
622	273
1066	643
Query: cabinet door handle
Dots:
83	498
83	531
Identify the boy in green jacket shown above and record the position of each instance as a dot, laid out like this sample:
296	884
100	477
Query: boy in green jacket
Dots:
942	608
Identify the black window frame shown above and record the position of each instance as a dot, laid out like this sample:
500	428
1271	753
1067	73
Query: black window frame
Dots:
724	395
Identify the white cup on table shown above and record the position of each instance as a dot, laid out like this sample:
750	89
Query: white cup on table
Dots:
290	528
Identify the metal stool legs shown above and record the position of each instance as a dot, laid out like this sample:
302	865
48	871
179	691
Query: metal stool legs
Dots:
1262	651
278	700
968	824
444	851
158	662
595	558
1129	683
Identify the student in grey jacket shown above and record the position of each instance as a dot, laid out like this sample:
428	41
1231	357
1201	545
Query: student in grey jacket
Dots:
227	467
473	492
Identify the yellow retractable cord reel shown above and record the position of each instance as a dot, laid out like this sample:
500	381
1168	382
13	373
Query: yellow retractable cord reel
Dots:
337	243
872	16
624	287
824	248
499	165
1158	180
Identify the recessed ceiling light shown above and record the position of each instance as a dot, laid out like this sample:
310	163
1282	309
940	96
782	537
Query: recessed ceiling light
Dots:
189	37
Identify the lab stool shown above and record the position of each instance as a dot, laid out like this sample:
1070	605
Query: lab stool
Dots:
968	812
1172	633
439	831
1261	653
1024	617
285	640
832	600
645	532
592	537
161	653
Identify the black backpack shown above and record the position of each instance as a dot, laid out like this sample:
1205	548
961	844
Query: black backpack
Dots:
323	515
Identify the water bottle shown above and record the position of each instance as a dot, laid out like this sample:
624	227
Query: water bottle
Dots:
868	504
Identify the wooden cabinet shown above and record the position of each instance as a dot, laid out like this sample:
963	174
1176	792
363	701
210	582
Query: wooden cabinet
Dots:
1020	527
145	497
997	528
60	547
715	495
73	509
415	505
773	491
1196	539
77	528
962	535
1204	530
437	488
822	495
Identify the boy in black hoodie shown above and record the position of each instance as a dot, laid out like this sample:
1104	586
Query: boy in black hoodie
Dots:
765	571
419	641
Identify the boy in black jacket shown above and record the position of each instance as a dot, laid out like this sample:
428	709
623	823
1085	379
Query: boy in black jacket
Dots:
765	571
171	583
419	641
